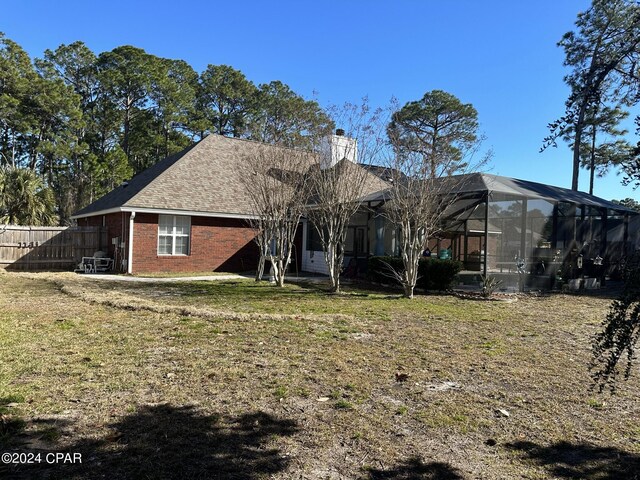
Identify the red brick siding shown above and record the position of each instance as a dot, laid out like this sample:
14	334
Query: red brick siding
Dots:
216	244
113	223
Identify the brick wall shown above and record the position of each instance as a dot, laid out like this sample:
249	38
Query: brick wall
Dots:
114	225
217	244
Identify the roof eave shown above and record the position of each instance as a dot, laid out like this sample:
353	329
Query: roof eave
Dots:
167	211
96	213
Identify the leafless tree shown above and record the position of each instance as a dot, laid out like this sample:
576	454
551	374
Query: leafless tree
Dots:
263	241
275	181
339	179
422	170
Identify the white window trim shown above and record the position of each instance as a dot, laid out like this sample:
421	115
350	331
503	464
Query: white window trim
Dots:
173	236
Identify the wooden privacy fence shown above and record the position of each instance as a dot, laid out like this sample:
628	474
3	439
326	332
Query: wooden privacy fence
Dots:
48	248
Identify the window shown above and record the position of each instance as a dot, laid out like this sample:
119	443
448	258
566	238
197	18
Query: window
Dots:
173	234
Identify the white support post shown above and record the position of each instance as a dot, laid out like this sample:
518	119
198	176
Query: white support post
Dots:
130	256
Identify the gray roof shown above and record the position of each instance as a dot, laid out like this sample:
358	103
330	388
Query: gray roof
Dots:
202	178
206	177
124	194
514	187
476	184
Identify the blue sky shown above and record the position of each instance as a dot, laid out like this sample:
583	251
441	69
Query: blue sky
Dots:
499	55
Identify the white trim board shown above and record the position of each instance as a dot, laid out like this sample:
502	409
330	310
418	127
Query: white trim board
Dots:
163	211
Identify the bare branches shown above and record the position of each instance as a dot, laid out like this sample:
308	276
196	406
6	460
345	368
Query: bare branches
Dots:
327	183
422	186
275	181
339	179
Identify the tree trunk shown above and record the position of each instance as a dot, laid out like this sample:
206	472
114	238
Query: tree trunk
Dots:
592	174
285	265
127	127
273	273
576	146
335	271
336	283
281	273
260	270
166	141
408	291
411	251
410	276
331	259
592	165
13	149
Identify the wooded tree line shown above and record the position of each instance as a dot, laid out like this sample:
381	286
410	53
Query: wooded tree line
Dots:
80	123
603	54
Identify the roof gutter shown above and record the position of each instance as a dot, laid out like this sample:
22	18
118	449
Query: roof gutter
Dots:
166	211
96	213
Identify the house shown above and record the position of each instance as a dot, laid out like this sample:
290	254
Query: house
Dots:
191	212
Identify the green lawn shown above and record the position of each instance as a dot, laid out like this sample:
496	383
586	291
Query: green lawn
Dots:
245	380
309	298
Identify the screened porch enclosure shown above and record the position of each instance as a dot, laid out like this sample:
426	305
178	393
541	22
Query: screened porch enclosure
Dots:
509	228
521	232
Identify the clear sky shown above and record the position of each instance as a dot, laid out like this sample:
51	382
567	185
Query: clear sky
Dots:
499	55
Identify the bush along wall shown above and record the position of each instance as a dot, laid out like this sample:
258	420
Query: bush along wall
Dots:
378	269
433	273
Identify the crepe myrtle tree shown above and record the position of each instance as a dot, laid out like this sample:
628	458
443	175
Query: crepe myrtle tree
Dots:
431	140
263	241
339	178
275	181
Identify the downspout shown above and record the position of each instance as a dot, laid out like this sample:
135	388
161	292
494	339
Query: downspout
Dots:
130	255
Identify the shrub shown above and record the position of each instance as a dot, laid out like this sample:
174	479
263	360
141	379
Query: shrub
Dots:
433	273
489	285
436	274
378	269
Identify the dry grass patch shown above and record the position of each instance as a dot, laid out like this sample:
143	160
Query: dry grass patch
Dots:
298	383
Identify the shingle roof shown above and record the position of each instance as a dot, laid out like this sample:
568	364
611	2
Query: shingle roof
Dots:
125	193
206	177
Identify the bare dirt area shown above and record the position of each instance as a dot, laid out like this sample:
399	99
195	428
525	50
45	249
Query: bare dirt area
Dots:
233	379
